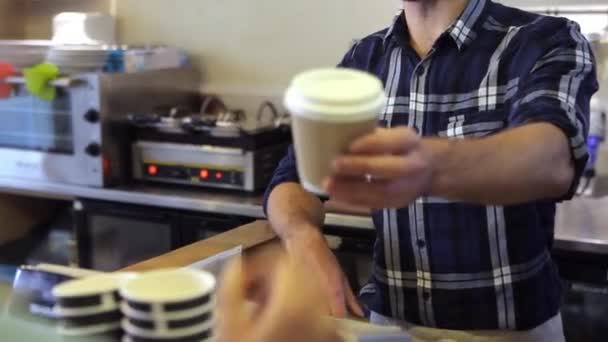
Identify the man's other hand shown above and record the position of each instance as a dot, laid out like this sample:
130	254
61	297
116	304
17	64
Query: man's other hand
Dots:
289	311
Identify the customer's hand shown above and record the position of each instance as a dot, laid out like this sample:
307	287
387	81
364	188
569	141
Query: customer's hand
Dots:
386	169
289	310
310	249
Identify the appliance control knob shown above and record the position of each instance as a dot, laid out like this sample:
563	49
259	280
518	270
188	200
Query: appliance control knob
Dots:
93	149
92	116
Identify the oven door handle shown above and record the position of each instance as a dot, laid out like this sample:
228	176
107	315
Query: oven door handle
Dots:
65	82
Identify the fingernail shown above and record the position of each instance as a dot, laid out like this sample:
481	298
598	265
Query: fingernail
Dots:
325	184
335	164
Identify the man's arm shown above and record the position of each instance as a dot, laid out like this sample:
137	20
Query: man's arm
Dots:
528	163
294	212
290	208
520	165
297	217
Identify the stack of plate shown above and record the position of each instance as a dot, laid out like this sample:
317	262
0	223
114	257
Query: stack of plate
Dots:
89	306
168	305
84	28
23	53
73	59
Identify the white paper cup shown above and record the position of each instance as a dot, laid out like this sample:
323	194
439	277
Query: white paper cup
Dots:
330	109
127	338
78	322
205	329
161	326
91	294
105	306
89	330
169	290
60	312
166	316
92	285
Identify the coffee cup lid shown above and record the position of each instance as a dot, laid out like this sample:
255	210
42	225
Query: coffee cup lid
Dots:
168	286
91	286
335	94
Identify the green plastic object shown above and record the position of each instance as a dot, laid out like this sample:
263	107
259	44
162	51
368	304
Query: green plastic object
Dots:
38	80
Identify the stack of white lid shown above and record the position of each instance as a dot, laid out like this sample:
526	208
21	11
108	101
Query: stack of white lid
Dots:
169	305
90	306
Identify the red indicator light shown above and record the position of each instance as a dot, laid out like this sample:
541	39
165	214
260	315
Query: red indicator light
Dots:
106	166
204	174
219	175
152	170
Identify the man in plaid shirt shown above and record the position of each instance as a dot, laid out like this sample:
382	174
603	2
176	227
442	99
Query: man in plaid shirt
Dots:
485	131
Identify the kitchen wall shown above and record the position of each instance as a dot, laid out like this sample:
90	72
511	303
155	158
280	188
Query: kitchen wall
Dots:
257	46
11	17
254	45
250	46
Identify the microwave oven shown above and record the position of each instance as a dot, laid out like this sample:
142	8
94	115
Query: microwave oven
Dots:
79	136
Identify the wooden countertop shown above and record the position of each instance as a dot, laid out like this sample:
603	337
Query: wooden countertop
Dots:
250	237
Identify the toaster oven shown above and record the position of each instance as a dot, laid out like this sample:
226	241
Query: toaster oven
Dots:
79	136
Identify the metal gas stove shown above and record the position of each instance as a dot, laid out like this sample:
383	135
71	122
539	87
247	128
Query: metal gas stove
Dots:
215	147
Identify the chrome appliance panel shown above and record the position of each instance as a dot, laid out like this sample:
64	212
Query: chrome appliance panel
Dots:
196	156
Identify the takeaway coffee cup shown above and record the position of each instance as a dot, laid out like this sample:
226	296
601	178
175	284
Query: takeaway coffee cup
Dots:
330	109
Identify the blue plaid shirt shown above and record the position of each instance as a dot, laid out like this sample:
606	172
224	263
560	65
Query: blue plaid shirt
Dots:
464	266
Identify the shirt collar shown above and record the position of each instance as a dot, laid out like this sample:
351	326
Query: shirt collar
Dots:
461	31
396	21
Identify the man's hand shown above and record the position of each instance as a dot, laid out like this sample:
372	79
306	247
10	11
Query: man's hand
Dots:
385	169
310	249
518	165
289	310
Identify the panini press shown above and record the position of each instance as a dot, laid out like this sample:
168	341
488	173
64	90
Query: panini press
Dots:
216	148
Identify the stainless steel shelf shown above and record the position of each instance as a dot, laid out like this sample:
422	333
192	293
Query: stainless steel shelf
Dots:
581	225
167	197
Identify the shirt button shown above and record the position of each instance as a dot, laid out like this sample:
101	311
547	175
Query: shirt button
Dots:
420	71
421	243
426	296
